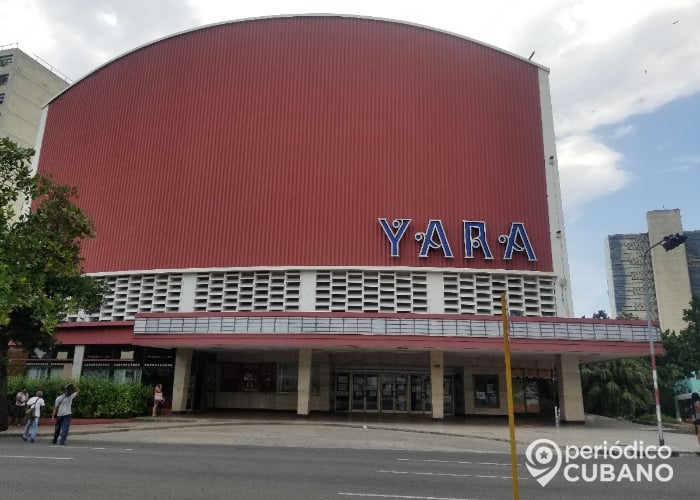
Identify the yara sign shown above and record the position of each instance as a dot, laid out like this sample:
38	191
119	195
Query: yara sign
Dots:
474	238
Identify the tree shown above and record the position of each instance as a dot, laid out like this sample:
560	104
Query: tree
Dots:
681	354
41	276
618	388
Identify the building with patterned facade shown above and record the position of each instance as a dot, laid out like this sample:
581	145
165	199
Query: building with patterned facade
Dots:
674	275
322	213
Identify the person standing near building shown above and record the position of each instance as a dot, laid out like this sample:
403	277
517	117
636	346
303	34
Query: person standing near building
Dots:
695	406
157	399
62	409
20	406
34	406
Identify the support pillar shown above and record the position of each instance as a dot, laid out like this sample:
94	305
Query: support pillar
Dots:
304	382
569	388
437	377
77	368
181	379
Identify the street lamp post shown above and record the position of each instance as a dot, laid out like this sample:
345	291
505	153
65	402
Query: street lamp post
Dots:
669	243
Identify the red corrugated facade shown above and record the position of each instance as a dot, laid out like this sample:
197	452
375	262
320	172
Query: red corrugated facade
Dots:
281	141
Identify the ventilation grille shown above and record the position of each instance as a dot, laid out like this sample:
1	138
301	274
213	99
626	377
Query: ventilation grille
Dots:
335	291
366	291
472	293
137	293
247	291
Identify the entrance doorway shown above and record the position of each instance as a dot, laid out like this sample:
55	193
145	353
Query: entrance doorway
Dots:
421	394
389	393
364	392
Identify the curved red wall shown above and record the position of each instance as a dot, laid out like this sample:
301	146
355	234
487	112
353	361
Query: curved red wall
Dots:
280	142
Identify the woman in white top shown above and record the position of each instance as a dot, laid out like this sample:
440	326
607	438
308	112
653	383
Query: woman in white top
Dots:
20	405
158	399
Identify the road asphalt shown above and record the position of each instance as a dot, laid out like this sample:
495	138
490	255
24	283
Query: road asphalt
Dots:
370	431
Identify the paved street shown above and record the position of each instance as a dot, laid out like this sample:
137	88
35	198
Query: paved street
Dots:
287	457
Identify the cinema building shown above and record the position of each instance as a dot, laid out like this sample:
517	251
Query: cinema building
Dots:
320	214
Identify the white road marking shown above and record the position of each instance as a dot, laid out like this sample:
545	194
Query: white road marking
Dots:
484	476
377	495
450	461
98	449
33	457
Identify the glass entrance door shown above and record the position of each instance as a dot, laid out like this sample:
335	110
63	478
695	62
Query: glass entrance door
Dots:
365	392
417	393
371	393
388	393
401	399
358	392
421	395
387	382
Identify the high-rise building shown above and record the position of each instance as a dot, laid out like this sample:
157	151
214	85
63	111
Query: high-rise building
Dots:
674	276
26	85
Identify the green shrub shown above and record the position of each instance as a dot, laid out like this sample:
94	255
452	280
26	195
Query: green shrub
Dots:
99	398
665	419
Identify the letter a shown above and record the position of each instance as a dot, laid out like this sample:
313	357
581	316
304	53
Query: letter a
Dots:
518	241
435	228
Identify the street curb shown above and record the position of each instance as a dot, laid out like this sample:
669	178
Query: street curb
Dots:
85	427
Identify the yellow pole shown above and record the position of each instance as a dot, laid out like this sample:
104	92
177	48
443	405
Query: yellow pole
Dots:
509	390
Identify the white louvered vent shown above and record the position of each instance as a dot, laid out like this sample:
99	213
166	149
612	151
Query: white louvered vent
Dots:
474	293
136	293
247	291
335	291
371	291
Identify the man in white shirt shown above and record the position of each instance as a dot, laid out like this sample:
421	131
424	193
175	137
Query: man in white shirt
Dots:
34	404
62	409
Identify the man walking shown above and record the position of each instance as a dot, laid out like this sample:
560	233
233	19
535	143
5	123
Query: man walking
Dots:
62	409
34	412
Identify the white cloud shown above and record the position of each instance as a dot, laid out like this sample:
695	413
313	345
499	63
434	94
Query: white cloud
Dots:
588	169
677	168
636	70
682	164
623	131
108	18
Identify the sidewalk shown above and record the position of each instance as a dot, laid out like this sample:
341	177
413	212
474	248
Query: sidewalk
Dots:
596	431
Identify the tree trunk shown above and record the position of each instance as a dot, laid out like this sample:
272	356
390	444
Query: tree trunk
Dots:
4	360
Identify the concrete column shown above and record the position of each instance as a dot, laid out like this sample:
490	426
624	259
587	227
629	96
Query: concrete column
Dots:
188	286
181	379
437	375
307	291
324	402
78	356
671	275
436	292
569	387
304	382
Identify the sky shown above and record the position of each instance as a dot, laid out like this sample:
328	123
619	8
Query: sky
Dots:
624	79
